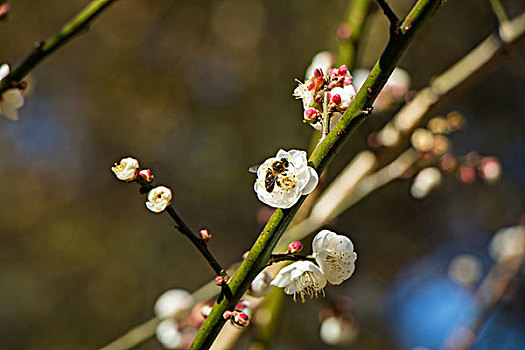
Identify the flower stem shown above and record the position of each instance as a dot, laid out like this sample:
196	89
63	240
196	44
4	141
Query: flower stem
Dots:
260	253
42	49
183	228
326	116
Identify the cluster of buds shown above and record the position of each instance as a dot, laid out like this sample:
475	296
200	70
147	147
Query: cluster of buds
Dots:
128	170
325	93
179	323
241	315
434	148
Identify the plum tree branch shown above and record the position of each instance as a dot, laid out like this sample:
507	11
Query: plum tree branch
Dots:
320	158
43	49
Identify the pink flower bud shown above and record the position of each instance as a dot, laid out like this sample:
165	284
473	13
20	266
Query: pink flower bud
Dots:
310	115
205	236
146	175
332	72
242	305
336	99
220	280
295	247
4	10
205	311
467	174
347	81
240	319
329	96
227	314
342	70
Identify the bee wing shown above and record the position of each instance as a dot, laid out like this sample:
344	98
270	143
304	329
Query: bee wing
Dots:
253	169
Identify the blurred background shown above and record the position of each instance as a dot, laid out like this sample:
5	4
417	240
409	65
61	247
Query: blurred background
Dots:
199	92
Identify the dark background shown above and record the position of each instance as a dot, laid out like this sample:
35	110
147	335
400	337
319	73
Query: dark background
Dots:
198	92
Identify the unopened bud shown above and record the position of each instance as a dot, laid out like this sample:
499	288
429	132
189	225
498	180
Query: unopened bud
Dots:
342	70
147	175
336	99
227	314
347	81
205	311
241	319
295	247
467	174
245	255
310	115
4	10
332	72
221	280
243	305
205	236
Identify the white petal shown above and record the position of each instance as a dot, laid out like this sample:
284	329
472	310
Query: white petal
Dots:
9	112
312	182
282	154
320	241
13	97
4	70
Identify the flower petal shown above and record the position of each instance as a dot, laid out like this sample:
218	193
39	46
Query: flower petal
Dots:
312	182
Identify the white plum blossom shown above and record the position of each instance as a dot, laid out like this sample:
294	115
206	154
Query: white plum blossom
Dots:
260	285
426	180
507	243
335	255
158	199
168	334
127	169
305	93
173	302
283	179
394	90
337	331
10	100
301	277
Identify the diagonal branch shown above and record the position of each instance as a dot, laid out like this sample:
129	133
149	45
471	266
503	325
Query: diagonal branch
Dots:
320	158
43	49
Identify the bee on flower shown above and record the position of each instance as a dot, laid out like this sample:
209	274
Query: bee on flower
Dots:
283	179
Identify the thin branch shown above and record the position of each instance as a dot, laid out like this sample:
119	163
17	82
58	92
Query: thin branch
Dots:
288	257
350	32
43	49
499	11
183	228
260	252
392	17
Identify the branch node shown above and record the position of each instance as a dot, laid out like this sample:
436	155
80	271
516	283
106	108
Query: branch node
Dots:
389	13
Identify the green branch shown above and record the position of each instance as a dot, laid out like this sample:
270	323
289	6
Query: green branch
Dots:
43	49
350	32
320	158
